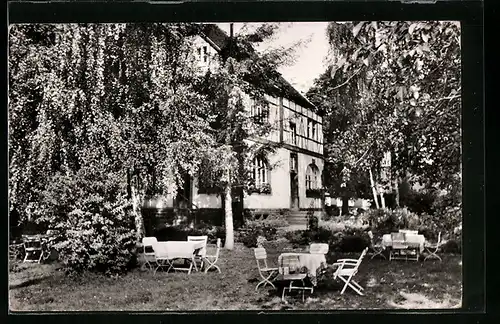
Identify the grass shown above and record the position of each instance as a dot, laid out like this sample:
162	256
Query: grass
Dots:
395	284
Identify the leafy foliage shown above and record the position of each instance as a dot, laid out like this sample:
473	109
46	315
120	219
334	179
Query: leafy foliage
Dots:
266	227
342	240
110	113
94	220
393	87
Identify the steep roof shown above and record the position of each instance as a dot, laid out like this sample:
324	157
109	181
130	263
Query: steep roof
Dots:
219	39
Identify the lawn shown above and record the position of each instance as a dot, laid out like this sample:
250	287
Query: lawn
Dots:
395	284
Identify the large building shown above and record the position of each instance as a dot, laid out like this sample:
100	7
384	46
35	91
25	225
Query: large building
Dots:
294	181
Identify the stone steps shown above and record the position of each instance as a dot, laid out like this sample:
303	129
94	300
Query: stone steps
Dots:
300	217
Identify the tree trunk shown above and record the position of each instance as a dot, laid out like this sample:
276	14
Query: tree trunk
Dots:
345	205
228	211
382	199
374	190
137	201
396	188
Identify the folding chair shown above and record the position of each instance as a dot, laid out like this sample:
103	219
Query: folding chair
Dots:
203	251
377	248
318	248
433	248
211	260
148	251
33	249
261	256
163	261
346	270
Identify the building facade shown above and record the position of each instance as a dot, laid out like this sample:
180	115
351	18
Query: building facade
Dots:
289	179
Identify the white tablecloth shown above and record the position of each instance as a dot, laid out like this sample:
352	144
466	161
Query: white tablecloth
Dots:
177	249
411	240
297	261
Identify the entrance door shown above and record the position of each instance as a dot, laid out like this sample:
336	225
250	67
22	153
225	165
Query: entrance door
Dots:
294	191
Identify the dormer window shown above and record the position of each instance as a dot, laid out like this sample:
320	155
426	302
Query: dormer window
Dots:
205	54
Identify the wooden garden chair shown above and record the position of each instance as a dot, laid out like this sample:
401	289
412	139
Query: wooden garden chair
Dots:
211	260
265	272
203	251
346	270
433	248
148	251
376	247
33	249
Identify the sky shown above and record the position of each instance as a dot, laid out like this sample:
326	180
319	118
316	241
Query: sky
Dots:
310	58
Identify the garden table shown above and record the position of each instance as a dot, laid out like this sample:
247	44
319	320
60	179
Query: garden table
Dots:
171	250
297	262
411	241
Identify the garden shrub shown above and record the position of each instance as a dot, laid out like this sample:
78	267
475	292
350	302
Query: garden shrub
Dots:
383	221
419	201
298	237
341	240
353	240
102	241
275	219
312	223
265	226
172	233
96	228
331	211
332	225
320	235
452	246
250	232
249	239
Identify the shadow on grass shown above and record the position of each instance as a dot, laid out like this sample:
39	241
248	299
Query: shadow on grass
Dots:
28	282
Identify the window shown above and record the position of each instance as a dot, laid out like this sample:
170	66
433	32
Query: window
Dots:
260	113
205	54
312	129
202	54
260	172
293	162
293	133
312	177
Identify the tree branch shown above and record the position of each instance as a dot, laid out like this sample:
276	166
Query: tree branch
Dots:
348	79
441	99
362	157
